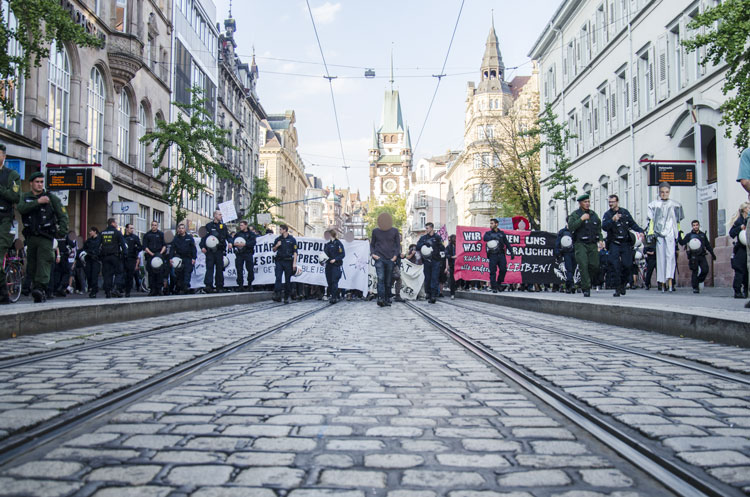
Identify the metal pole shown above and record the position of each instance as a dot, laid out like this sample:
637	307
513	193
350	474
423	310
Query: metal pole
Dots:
697	147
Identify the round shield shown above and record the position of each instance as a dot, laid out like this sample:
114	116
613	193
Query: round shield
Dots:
638	255
322	257
566	241
156	262
202	231
226	262
694	244
638	239
239	242
168	236
82	255
742	237
212	242
176	262
426	251
349	236
385	221
492	244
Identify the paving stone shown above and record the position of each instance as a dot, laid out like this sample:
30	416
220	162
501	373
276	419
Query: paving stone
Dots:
334	461
558	447
38	488
425	478
473	460
708	443
391	461
548	461
199	475
739	475
355	445
321	431
217	443
605	478
285	444
258	431
520	421
272	476
487	493
132	475
393	431
187	457
152	441
233	492
539	478
325	492
658	431
554	433
134	428
411	493
14	419
424	446
50	469
490	445
152	407
708	458
295	419
467	433
141	491
353	478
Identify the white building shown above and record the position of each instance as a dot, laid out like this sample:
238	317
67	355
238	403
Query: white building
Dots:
426	200
616	72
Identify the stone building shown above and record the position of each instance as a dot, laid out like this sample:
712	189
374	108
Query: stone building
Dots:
282	165
91	105
315	207
239	112
426	201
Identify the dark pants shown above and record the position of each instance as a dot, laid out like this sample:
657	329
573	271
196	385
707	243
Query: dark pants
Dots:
283	268
740	271
384	271
431	278
155	277
92	269
130	275
620	262
111	272
569	259
61	276
39	260
242	261
587	258
333	274
183	274
498	268
452	278
214	269
650	267
699	266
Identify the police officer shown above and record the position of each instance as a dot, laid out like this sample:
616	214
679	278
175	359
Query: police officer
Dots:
215	255
496	254
649	251
431	261
565	250
113	247
334	250
44	217
243	253
697	256
285	247
154	246
618	223
10	194
130	259
92	260
739	253
62	267
587	233
183	246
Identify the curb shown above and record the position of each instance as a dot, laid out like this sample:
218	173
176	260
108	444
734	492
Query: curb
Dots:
674	323
32	321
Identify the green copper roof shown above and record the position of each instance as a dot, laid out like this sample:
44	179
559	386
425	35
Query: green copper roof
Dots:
407	140
390	159
392	120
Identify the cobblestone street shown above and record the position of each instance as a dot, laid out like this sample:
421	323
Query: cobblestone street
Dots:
362	401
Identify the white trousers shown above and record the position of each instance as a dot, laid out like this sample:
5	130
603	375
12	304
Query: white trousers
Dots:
666	261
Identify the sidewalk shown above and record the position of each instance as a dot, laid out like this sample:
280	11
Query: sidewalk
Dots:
712	315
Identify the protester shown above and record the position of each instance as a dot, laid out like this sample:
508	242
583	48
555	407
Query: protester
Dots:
664	216
385	246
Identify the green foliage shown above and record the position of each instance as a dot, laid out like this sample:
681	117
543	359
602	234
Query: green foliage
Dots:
554	136
727	30
395	206
261	202
39	22
197	141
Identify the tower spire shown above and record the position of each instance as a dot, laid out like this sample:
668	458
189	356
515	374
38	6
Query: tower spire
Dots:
230	10
391	80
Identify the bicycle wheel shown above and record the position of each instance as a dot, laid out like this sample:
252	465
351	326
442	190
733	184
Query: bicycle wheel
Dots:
14	281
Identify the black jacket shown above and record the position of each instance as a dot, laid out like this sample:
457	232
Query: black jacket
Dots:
134	246
334	249
433	241
113	243
183	246
92	247
287	249
619	231
220	231
502	245
705	244
154	241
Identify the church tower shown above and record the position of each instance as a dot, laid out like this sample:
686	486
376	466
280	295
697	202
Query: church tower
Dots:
390	152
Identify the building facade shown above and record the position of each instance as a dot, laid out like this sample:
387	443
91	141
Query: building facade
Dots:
617	74
282	165
90	106
426	201
390	154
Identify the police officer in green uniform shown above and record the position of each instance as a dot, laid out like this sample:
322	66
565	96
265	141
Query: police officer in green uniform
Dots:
44	218
587	233
10	194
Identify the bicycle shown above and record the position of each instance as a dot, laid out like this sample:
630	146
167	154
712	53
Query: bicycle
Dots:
13	267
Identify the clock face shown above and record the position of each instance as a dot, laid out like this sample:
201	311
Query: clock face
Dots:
382	171
389	185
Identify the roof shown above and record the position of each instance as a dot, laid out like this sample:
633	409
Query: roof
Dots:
390	159
517	84
392	119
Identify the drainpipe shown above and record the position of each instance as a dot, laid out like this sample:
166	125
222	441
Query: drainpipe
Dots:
635	172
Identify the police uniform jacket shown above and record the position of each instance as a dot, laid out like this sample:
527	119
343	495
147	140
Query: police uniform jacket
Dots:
433	241
619	231
736	231
220	231
10	192
502	244
66	246
154	241
559	249
45	220
183	246
450	253
287	249
113	243
588	231
705	244
92	247
249	237
134	246
334	249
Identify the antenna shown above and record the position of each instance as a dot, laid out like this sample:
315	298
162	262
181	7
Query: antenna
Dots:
492	14
230	9
391	80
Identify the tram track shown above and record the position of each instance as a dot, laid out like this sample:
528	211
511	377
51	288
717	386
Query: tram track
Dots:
688	364
31	439
674	475
157	330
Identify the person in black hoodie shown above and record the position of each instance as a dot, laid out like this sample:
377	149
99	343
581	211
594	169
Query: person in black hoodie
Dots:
183	246
92	260
739	254
432	258
697	256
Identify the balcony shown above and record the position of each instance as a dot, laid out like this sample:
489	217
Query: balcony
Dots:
481	206
125	53
420	204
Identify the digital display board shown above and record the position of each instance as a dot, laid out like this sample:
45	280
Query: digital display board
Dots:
674	174
68	178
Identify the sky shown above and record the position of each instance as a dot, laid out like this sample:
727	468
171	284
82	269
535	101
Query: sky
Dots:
362	34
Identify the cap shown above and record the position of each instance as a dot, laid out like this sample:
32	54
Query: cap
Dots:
2	147
582	197
36	175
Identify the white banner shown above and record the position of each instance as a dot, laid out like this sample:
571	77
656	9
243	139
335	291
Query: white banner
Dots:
412	280
228	213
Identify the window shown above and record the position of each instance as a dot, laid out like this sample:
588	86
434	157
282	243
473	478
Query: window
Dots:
262	170
623	92
588	130
486	160
141	222
59	97
604	194
624	192
421	199
646	90
123	127
159	217
141	162
603	120
95	116
481	133
676	61
422	221
477	161
121	15
13	86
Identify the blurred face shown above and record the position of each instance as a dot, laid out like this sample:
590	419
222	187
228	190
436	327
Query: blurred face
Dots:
664	193
181	229
493	225
154	226
129	229
585	204
92	233
243	226
696	227
614	204
37	186
217	216
430	229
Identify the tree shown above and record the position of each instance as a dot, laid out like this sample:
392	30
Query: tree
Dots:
514	172
395	206
261	203
727	29
197	141
554	135
37	24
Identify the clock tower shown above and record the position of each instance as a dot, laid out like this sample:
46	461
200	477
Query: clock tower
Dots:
390	153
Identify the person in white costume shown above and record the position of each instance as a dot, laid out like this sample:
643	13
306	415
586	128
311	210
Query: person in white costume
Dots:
664	216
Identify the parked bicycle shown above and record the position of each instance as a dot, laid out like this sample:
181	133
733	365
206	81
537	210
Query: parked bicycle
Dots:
14	273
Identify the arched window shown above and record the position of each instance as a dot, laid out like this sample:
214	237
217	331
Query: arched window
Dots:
95	116
123	127
141	162
58	101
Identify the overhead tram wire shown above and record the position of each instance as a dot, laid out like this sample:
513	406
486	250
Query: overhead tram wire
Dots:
333	99
439	78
